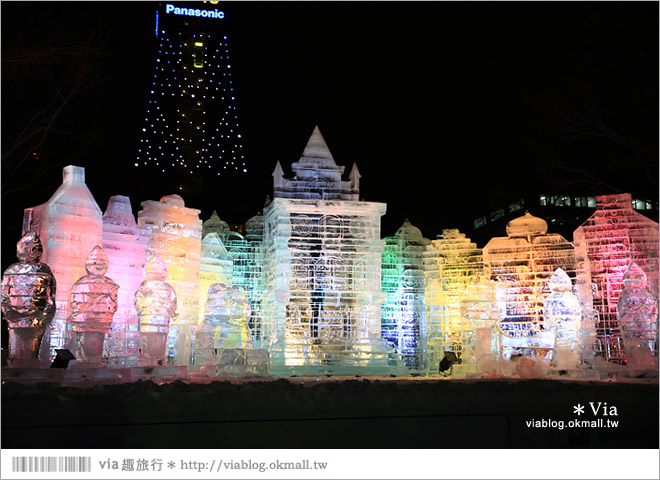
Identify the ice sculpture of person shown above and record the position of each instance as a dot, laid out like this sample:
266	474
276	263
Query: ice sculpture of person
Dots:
234	331
93	304
216	313
637	312
28	301
562	314
155	302
480	309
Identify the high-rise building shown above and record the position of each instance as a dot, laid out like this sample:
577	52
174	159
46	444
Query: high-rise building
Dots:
191	122
322	275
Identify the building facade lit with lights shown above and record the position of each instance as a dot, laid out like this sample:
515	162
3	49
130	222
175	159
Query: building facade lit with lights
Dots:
191	124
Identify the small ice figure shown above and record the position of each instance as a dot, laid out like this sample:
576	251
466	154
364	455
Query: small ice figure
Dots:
155	302
637	311
480	309
216	313
93	304
562	314
234	331
28	301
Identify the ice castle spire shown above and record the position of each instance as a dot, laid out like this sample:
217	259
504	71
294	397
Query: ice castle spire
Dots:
316	175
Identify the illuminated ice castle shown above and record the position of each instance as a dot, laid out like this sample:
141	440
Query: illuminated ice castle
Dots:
522	263
403	312
452	263
322	277
605	245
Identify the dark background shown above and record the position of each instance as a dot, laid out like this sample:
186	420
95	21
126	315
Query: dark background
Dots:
449	109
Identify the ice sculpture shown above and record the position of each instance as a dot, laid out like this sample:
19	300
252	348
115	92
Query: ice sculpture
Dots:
451	264
322	291
215	225
70	226
522	264
605	244
234	331
247	255
562	314
175	236
403	322
215	266
126	247
637	312
28	302
156	304
478	308
93	304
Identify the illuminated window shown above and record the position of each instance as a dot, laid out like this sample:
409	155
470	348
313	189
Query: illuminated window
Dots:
496	214
480	222
542	200
518	205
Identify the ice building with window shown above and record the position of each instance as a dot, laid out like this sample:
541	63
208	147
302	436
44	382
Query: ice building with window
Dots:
522	264
246	252
175	236
403	322
322	275
69	225
605	245
452	262
125	245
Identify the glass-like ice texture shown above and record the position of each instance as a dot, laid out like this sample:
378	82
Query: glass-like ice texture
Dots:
605	244
215	225
403	313
70	226
175	237
479	317
126	247
156	305
28	302
562	314
521	264
215	266
637	312
322	276
452	262
247	255
93	304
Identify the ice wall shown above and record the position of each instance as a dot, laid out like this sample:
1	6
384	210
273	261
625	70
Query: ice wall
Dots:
605	244
451	264
70	226
521	264
403	313
175	237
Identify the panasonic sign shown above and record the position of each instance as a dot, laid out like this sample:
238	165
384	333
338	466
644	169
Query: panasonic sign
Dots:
194	12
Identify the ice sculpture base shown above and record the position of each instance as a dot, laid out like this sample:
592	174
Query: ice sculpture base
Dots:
235	363
32	375
158	373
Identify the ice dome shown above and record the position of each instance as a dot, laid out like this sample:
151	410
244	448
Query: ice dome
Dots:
410	234
526	226
174	200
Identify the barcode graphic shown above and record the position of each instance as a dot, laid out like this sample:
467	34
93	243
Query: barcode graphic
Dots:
51	464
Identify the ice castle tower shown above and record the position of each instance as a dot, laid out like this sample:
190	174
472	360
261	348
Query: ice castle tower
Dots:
322	277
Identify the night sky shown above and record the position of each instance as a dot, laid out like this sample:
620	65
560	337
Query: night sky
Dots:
449	109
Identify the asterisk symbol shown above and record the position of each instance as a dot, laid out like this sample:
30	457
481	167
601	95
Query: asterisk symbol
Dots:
171	465
579	409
